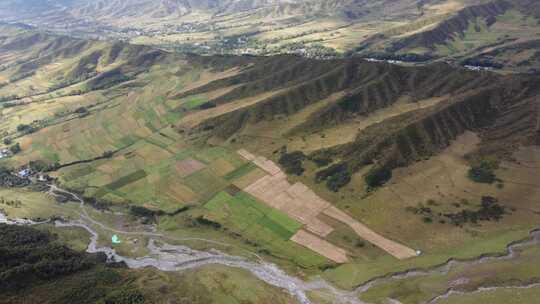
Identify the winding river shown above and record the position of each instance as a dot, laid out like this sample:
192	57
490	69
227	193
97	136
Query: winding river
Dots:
168	257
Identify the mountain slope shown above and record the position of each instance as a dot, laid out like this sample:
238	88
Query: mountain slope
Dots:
233	26
438	158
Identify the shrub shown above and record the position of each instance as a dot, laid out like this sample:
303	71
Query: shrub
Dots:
107	154
81	110
338	180
144	212
201	220
16	148
27	129
378	176
483	172
427	220
38	165
321	160
336	176
293	162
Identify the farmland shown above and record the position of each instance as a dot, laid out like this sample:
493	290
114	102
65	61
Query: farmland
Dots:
189	147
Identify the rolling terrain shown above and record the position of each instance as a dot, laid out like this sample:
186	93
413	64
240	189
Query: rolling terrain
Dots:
478	33
345	170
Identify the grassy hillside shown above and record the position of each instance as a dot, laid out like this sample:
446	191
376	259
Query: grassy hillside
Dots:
475	35
412	31
315	28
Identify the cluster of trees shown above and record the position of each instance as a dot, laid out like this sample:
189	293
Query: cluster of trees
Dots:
16	148
42	166
8	98
81	111
146	214
10	203
484	172
30	260
204	221
339	175
28	256
335	176
293	162
26	129
321	159
377	177
9	180
489	210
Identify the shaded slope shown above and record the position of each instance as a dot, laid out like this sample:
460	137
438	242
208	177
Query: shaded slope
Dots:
454	26
505	115
367	87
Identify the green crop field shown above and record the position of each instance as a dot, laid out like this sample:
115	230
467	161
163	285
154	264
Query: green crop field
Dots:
194	101
240	171
261	224
244	212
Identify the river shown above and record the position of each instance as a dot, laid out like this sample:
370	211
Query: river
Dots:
167	257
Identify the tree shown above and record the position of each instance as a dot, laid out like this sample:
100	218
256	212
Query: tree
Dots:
81	110
378	176
338	180
483	172
293	162
27	129
108	154
16	148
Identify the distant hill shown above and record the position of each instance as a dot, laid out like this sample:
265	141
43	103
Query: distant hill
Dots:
314	28
462	31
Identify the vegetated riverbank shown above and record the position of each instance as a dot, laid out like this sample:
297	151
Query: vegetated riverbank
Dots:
172	258
167	257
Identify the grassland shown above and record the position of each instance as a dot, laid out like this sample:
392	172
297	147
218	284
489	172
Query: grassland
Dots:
512	23
211	284
510	295
516	272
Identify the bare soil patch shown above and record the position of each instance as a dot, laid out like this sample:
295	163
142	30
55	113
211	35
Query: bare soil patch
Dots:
188	166
320	246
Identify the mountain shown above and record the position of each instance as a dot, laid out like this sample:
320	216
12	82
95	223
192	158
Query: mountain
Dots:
263	26
469	35
348	170
414	31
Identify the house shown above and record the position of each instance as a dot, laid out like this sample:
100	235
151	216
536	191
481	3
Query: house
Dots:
4	153
24	173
